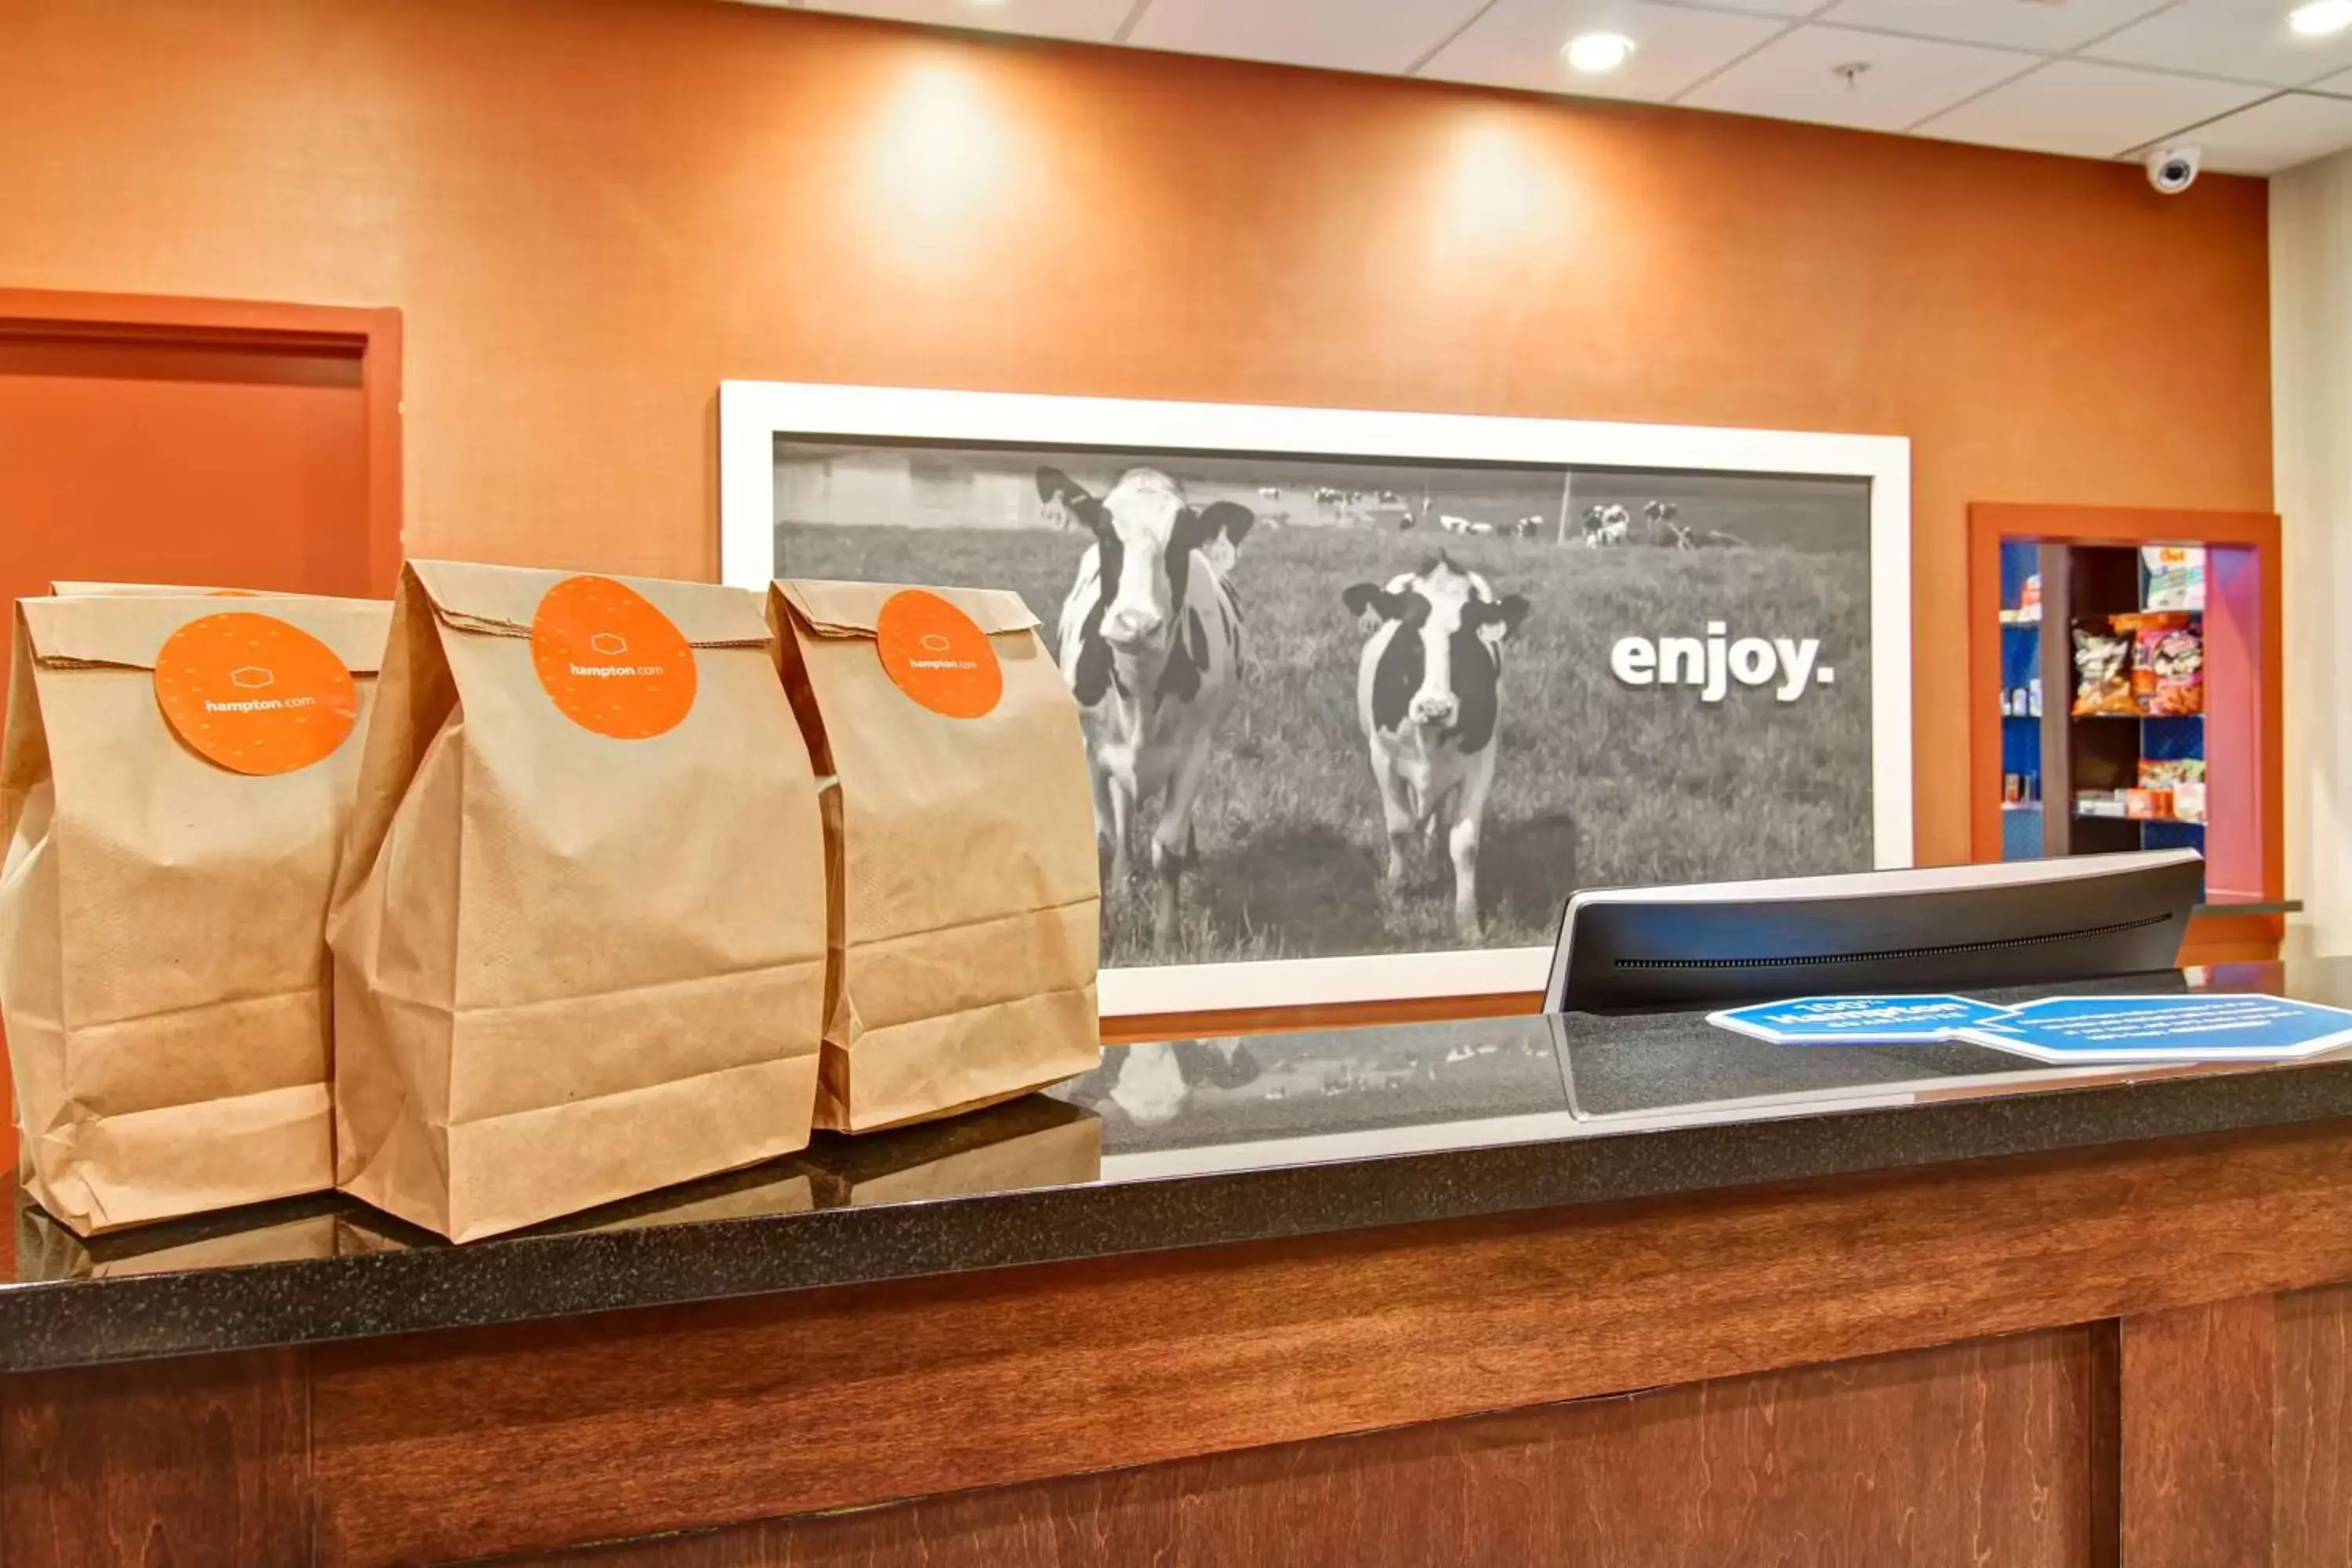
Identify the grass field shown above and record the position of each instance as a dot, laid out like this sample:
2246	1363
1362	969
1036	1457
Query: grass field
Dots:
1596	784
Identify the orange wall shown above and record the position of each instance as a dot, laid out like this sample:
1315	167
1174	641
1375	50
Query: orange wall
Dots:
592	210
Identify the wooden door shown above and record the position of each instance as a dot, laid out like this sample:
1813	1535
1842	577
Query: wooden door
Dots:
244	446
215	443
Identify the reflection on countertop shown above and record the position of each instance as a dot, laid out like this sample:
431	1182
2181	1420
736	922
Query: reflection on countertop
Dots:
1179	1143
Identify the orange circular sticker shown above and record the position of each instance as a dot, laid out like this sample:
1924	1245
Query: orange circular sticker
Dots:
613	663
938	655
253	693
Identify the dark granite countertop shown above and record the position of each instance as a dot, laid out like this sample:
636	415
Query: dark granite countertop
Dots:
1190	1143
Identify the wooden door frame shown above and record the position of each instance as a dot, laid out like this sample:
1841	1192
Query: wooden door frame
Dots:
2258	532
375	334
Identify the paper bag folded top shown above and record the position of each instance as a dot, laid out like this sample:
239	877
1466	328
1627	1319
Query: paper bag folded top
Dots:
578	935
965	892
162	965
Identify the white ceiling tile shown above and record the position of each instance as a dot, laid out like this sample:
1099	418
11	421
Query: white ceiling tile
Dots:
1795	78
2018	24
1517	44
1787	8
2246	38
2340	83
1095	20
1338	34
2287	131
2088	111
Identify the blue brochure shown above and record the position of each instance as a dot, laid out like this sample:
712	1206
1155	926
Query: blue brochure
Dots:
1858	1020
2212	1028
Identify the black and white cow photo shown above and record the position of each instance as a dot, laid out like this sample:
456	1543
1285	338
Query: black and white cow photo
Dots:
1151	641
1335	706
1429	695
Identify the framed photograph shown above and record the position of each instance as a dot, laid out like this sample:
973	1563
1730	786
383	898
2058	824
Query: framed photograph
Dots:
1368	695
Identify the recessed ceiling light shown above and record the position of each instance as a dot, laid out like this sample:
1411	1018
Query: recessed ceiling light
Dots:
1597	52
2321	18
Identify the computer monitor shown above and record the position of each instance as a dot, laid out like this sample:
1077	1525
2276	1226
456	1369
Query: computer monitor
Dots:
1946	928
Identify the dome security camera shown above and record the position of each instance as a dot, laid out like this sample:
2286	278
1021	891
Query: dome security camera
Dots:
2172	170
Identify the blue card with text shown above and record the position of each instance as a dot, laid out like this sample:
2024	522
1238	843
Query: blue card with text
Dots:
2214	1028
1858	1020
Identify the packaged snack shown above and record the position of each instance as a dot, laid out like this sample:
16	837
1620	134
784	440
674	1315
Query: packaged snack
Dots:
579	933
2148	805
2164	773
2189	801
966	903
175	788
2168	663
2102	674
2029	601
2176	576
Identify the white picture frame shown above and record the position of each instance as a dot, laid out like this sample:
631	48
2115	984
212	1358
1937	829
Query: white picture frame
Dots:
753	414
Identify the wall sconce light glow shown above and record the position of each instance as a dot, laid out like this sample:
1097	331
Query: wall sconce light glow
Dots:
937	155
1594	53
2321	18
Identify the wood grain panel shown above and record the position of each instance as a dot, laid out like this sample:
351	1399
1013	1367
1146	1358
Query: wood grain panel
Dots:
1319	1015
2314	1452
181	1464
2197	1423
1964	1455
596	1428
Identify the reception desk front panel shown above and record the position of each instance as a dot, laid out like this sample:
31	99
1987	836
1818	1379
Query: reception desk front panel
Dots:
1337	1296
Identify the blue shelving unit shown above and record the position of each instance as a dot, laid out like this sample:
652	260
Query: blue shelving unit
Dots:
2021	735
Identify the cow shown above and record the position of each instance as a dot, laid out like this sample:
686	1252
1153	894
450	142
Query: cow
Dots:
1152	1083
1663	521
1152	643
1606	525
1529	528
1453	525
1429	698
1271	492
1483	530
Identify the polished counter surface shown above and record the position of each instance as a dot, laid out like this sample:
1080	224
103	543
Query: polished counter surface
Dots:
1187	1143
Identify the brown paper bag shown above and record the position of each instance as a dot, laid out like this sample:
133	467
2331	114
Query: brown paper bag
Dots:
1036	1141
47	1250
965	890
162	966
573	964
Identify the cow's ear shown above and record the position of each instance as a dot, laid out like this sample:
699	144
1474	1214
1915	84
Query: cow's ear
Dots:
1230	519
1511	612
1370	605
1056	487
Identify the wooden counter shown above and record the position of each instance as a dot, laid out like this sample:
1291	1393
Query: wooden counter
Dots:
2121	1335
